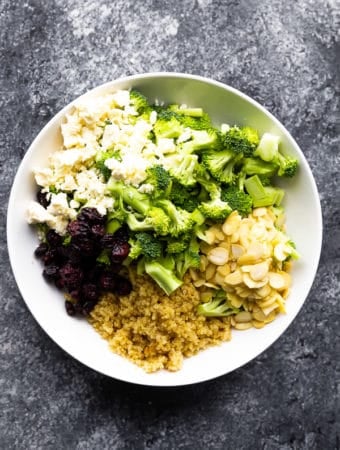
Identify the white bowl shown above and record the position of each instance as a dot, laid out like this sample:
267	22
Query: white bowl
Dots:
76	336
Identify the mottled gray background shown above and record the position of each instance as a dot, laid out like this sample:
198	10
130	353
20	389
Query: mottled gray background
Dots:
286	55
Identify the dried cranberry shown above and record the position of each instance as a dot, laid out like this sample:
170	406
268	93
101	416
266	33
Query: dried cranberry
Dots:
78	228
91	215
107	281
70	308
120	251
42	199
123	286
107	241
93	273
87	247
59	284
98	230
51	273
53	238
41	250
71	276
122	234
50	257
90	291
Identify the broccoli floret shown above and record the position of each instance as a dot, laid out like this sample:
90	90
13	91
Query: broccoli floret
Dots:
184	198
256	166
154	220
288	166
237	200
268	150
242	140
168	124
188	258
176	246
130	195
181	220
145	244
160	179
202	140
263	195
139	102
196	123
222	164
183	168
218	306
164	277
215	209
193	112
101	157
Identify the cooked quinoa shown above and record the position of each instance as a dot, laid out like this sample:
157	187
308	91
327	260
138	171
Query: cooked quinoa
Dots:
156	331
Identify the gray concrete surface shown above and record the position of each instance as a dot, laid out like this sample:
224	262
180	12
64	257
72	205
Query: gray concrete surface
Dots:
285	55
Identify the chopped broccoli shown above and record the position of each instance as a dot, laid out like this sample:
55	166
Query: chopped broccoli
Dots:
237	200
218	306
181	220
215	209
176	246
256	166
202	140
190	257
268	150
242	140
222	164
183	168
160	179
288	166
263	195
164	277
145	244
168	125
183	197
154	220
130	195
196	123
139	102
193	112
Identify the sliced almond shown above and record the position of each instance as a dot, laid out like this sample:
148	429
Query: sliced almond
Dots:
263	291
257	324
277	281
234	278
231	224
242	317
218	256
258	212
223	270
235	300
237	250
210	271
254	284
243	326
259	271
258	314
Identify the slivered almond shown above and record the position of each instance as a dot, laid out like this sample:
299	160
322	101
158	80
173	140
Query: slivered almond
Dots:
259	271
277	281
253	284
234	278
218	256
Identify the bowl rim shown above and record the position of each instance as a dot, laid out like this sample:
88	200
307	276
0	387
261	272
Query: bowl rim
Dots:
130	79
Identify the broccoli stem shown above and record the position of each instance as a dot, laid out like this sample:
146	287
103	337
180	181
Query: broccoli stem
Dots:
165	278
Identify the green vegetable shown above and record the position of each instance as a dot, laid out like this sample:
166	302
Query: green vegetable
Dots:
238	200
165	278
242	140
218	306
263	195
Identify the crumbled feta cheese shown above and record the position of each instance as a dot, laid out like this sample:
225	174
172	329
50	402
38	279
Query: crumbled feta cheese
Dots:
131	170
122	98
59	207
146	188
38	214
225	128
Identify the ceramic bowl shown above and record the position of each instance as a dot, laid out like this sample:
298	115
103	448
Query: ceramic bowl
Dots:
76	336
